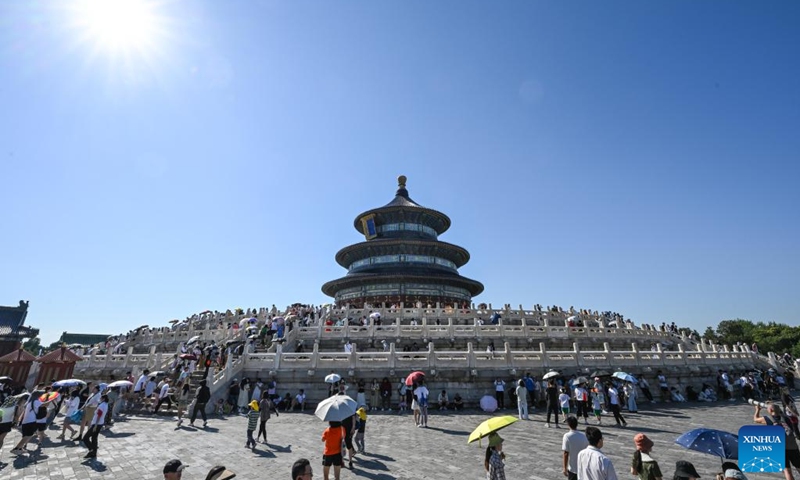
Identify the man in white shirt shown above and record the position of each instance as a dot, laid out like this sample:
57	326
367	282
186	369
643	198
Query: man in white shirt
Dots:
592	463
138	389
572	444
97	422
348	347
163	396
300	400
613	403
27	421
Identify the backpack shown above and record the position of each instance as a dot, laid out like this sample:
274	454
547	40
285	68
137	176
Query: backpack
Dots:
41	412
423	399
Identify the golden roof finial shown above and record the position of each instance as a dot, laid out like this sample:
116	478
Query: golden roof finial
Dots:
401	181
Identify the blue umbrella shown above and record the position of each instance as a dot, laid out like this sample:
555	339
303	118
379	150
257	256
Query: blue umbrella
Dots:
712	442
625	377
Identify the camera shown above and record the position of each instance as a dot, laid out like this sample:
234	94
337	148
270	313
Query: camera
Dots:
756	402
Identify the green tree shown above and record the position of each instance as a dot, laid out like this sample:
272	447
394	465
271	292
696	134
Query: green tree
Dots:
32	345
710	335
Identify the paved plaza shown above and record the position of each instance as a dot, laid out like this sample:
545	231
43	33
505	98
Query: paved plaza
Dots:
138	447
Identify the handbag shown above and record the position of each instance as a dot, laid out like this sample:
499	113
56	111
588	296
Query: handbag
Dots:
77	416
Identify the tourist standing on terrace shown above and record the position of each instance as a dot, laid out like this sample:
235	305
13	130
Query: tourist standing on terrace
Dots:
499	392
386	394
522	400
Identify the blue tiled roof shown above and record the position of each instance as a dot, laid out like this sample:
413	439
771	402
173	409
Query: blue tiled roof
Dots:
12	320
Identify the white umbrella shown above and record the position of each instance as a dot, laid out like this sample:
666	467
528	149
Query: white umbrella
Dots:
333	378
279	320
550	375
193	339
374	315
488	403
70	382
252	327
252	336
120	383
336	408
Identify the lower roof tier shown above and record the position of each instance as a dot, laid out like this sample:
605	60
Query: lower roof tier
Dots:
393	284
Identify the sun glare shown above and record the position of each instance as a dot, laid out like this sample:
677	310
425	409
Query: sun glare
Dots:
119	25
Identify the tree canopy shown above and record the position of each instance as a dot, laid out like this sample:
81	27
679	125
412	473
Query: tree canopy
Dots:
770	336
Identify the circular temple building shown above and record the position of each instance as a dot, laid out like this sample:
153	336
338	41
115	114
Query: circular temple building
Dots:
402	259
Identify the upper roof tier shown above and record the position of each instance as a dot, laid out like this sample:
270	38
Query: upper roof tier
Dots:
402	209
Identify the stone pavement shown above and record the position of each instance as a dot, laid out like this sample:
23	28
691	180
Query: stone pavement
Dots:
138	447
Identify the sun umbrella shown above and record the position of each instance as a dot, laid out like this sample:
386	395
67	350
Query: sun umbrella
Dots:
174	321
374	315
625	377
600	373
193	339
120	383
252	327
279	320
253	320
253	336
6	379
156	374
49	396
414	377
550	374
488	403
712	442
70	382
492	425
103	386
336	408
581	380
188	356
332	378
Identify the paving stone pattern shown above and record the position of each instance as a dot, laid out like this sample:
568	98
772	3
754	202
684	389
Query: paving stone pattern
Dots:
138	447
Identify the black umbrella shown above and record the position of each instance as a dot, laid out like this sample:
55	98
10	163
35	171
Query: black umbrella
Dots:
600	373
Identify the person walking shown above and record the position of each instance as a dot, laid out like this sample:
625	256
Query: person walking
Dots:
643	465
499	392
361	426
253	416
581	397
598	400
163	396
72	406
95	425
522	400
613	403
264	406
89	408
593	464
332	453
184	390
494	458
201	397
572	443
33	410
551	396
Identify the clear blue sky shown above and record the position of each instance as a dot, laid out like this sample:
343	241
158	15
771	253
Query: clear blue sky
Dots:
640	157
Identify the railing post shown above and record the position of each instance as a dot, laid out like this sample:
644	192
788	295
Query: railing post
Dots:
431	356
150	358
392	356
578	357
545	359
470	356
278	353
509	359
315	355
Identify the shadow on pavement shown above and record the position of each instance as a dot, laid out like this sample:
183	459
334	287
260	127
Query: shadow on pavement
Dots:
460	433
278	448
379	457
95	464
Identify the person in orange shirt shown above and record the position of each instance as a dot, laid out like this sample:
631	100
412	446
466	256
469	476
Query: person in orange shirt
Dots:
332	455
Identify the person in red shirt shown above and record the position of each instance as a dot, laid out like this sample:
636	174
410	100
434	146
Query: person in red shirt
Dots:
332	455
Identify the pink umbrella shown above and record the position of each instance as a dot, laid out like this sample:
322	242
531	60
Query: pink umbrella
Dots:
414	377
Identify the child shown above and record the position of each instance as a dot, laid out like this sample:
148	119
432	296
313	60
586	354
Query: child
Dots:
252	421
403	406
563	400
598	400
361	425
332	437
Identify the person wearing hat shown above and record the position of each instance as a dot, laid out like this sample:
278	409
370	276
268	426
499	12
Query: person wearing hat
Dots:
493	462
173	470
643	465
253	415
685	471
361	426
734	474
220	473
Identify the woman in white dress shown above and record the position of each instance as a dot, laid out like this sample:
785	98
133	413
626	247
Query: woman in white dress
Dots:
244	396
257	391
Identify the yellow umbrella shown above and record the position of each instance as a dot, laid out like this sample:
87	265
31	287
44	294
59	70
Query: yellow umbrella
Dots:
492	425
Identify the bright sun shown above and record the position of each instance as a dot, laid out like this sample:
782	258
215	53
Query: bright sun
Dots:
119	26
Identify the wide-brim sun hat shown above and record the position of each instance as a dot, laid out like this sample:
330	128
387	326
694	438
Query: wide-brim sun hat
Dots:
495	440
